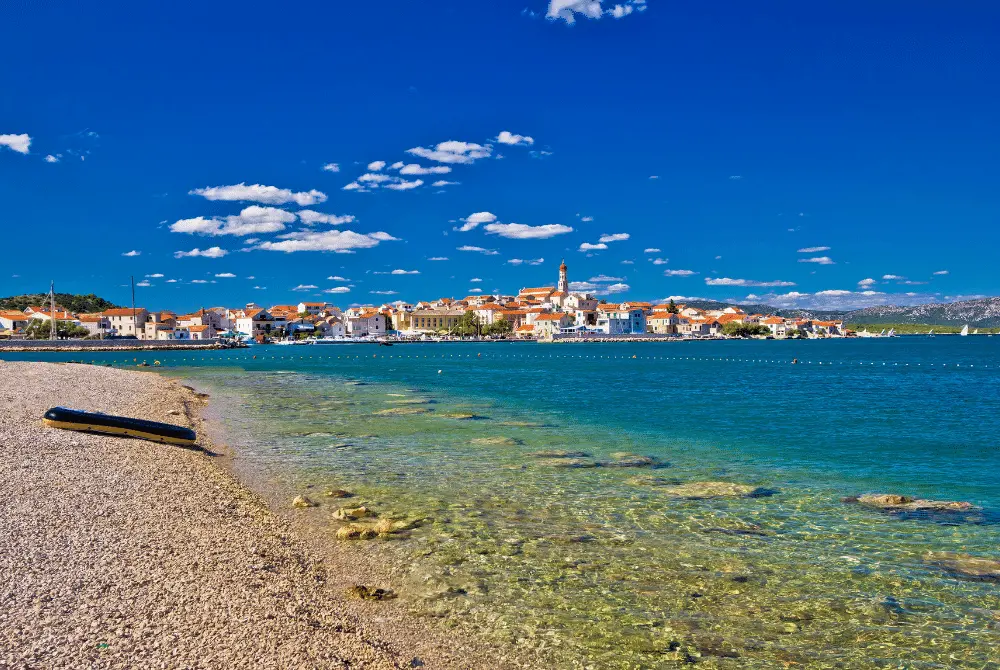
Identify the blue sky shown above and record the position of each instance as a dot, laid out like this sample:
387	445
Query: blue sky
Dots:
730	137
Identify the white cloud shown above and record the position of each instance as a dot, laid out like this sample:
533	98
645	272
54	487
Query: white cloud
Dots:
332	167
587	246
614	237
199	281
614	288
18	143
475	280
305	287
813	250
651	250
211	252
654	176
252	220
586	219
520	231
375	166
443	182
374	178
171	281
337	278
583	286
405	272
821	260
453	152
338	289
143	283
866	282
487	252
53	159
413	168
309	217
132	253
155	276
726	281
529	261
833	292
892	277
566	10
383	292
475	290
404	185
269	195
679	273
225	275
941	272
473	220
396	165
659	261
438	258
355	186
628	262
507	137
339	241
605	278
735	177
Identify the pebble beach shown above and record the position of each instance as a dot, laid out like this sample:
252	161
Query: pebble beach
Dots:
121	553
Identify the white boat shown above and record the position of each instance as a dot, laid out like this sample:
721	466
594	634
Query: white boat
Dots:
930	333
965	330
975	332
891	333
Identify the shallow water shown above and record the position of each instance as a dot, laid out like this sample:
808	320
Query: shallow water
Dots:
603	566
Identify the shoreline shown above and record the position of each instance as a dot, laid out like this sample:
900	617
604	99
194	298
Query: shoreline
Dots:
131	553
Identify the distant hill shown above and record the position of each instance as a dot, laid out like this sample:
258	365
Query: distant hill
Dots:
74	303
982	313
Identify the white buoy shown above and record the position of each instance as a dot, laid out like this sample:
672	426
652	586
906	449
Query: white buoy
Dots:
439	371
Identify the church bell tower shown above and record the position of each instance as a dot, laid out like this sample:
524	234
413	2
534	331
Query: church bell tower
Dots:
563	281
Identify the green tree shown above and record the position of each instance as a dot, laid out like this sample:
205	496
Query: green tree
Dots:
74	303
467	324
501	327
40	330
737	329
672	307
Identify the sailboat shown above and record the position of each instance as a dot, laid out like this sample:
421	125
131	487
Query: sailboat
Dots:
965	330
930	333
891	333
975	332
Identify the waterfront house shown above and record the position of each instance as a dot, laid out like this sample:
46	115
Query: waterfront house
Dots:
127	322
615	319
96	324
435	320
776	325
662	323
256	322
13	322
367	321
547	325
203	332
524	331
311	307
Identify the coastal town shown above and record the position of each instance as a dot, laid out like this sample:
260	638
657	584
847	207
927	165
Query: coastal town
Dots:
547	314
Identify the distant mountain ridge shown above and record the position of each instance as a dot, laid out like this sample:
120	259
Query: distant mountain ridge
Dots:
74	303
979	313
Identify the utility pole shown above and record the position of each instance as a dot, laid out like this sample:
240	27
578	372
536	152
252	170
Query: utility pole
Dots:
135	326
52	309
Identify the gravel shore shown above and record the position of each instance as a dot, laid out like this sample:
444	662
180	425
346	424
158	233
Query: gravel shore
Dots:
125	553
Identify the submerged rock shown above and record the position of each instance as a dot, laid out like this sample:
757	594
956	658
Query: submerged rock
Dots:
523	424
355	532
412	401
302	502
370	593
352	513
402	411
460	415
624	459
568	463
338	493
650	480
497	441
703	490
894	502
559	453
963	565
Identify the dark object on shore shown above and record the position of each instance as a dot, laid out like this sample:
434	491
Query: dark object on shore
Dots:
370	593
383	343
94	422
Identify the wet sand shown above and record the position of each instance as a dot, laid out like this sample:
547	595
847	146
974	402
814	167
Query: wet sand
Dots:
117	552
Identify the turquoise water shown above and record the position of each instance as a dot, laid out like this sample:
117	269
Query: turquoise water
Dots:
611	566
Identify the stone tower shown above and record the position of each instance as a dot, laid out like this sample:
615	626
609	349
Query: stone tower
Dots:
563	281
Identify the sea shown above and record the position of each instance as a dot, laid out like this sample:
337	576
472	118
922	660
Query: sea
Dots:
646	505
